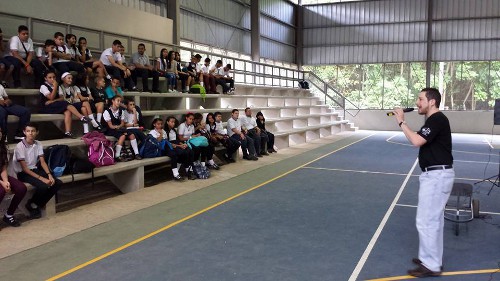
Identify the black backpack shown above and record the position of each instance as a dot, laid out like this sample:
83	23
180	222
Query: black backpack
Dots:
57	157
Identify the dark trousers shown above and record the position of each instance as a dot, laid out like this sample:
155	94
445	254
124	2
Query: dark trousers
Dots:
231	145
179	155
43	192
222	82
116	72
145	74
203	153
257	140
247	145
209	81
270	142
183	77
20	111
19	189
36	64
68	66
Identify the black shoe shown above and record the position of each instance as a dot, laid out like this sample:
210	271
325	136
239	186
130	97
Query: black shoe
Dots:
247	157
69	135
419	262
11	221
253	158
138	157
156	91
85	119
191	175
178	178
35	213
264	153
421	272
259	155
228	159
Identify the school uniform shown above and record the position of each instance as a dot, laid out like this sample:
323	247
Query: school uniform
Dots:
69	95
64	65
23	49
85	92
88	55
30	153
44	58
185	156
99	95
208	79
14	109
259	139
57	107
270	136
186	131
129	119
247	145
116	117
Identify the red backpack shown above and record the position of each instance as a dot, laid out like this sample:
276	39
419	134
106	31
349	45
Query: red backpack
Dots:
101	151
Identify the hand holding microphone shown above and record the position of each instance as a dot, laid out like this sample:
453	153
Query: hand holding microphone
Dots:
409	109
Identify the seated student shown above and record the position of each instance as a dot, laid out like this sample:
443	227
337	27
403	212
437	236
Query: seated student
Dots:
8	108
53	103
88	61
194	70
99	96
72	96
208	78
217	130
64	59
72	49
200	129
9	184
261	123
114	89
219	77
6	68
167	67
27	154
183	76
112	61
144	70
250	128
235	131
22	56
175	149
115	120
83	93
45	54
132	122
222	78
186	131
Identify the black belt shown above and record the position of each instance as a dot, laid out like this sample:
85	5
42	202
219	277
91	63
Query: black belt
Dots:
437	167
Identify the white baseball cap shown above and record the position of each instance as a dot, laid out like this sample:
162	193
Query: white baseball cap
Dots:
65	74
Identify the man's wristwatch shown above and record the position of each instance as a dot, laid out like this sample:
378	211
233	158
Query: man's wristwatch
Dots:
401	123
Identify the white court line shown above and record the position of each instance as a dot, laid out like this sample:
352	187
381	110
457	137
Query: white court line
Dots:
371	244
353	171
480	212
476	162
489	143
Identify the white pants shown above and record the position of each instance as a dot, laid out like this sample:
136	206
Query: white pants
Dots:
435	189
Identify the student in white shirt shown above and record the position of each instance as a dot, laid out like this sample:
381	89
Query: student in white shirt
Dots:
62	58
222	78
236	132
88	61
45	54
208	78
132	120
22	55
249	123
214	125
8	108
112	61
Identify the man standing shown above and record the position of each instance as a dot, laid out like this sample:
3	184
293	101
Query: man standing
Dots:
436	180
144	69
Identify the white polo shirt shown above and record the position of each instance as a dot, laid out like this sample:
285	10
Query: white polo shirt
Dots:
248	122
186	131
129	117
219	128
109	52
15	44
232	124
28	153
205	69
155	134
61	49
3	93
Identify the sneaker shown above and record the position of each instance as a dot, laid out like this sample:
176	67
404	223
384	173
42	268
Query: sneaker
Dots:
178	178
108	77
69	135
11	221
85	119
214	166
173	91
35	213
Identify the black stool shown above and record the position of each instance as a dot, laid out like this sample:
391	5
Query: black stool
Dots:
460	207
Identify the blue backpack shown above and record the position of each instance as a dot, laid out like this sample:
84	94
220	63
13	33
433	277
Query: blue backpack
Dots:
151	148
58	157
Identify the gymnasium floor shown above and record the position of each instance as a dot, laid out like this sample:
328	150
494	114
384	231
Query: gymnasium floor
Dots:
343	211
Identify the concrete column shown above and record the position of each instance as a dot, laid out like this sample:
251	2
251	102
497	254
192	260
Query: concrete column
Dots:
255	30
299	36
428	64
173	13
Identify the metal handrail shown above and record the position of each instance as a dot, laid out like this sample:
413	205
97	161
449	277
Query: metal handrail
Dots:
338	98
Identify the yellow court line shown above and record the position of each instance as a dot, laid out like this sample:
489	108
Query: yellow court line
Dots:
355	171
451	273
76	268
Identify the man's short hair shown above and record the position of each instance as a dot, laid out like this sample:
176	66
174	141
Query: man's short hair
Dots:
219	61
432	94
115	78
198	56
22	28
58	34
32	125
49	42
117	42
247	109
228	66
217	113
234	110
207	60
141	44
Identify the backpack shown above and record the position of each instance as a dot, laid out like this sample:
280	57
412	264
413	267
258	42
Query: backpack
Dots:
151	148
304	84
199	141
201	172
100	152
58	159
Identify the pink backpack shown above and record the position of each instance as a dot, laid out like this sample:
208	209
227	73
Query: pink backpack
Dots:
101	151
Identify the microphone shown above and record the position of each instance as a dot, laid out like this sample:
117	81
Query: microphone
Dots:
408	109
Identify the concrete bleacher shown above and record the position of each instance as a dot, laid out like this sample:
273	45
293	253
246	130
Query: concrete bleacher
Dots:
293	115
